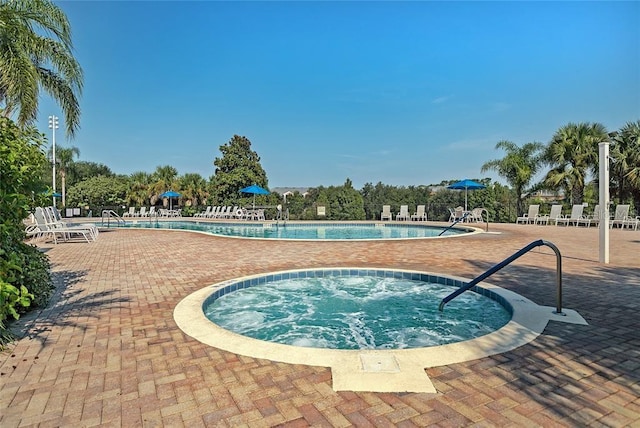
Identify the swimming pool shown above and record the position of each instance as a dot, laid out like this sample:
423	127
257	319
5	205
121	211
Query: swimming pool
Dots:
353	309
308	231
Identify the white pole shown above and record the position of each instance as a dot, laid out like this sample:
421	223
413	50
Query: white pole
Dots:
604	201
53	125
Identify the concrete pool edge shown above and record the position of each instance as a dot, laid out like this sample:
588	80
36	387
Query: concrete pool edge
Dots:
400	370
468	229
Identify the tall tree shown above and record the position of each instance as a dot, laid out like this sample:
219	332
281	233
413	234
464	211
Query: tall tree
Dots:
139	189
238	167
625	169
163	179
64	162
518	167
193	188
35	53
81	170
572	154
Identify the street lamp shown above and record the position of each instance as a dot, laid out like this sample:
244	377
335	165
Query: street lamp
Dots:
53	125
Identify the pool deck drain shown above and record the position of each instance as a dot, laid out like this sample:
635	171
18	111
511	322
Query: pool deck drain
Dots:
400	370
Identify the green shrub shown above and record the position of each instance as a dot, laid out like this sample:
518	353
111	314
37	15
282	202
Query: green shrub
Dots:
24	271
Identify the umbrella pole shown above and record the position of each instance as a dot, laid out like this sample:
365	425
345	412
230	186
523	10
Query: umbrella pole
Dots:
465	199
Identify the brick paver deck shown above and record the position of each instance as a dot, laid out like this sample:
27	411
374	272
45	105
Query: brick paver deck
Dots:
108	352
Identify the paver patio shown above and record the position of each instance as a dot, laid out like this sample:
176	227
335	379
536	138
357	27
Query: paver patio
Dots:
107	352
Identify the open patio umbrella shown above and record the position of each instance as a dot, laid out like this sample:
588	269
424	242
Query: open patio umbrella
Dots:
170	194
466	184
255	190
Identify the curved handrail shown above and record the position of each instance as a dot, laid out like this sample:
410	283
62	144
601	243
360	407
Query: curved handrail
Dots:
109	214
507	261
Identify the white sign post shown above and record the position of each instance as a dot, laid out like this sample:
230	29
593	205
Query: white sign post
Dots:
604	201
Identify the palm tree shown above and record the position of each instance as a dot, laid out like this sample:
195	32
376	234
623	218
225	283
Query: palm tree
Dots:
64	162
572	154
518	167
163	178
35	53
625	170
139	190
193	188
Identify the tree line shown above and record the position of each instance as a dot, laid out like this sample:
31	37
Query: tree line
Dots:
570	159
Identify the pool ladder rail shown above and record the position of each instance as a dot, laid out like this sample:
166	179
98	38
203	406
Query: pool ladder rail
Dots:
282	216
507	261
111	214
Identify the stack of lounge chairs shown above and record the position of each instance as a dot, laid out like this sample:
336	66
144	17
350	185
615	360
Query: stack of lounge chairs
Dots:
48	225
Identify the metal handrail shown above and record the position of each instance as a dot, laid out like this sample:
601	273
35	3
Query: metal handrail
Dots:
109	214
461	219
507	261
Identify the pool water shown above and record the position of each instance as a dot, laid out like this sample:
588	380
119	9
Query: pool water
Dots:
355	312
313	231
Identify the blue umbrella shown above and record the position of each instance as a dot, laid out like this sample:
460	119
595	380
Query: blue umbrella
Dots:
170	194
255	190
466	184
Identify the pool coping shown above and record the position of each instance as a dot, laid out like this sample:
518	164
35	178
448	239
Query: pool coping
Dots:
470	230
401	370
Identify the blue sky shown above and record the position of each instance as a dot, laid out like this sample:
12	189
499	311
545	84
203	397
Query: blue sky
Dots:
405	93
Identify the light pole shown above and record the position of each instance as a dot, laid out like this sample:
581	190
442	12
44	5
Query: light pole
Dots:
53	125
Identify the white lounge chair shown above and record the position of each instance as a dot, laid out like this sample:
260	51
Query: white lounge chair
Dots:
632	223
213	212
403	214
386	213
620	216
576	214
456	214
130	213
52	215
204	213
556	212
530	216
420	214
476	215
48	227
588	220
143	212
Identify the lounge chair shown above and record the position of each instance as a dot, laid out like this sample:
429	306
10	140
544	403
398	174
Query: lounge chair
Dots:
574	217
386	213
456	214
52	215
143	212
620	216
232	212
130	213
476	215
49	227
530	216
403	214
420	214
588	220
632	223
556	211
152	212
214	211
204	213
